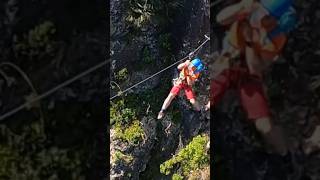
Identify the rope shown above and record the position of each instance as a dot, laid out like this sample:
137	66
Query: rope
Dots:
52	90
192	53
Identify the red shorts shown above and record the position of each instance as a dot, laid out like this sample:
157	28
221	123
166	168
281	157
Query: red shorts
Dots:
250	91
187	90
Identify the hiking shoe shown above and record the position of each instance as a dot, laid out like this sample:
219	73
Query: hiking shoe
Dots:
160	114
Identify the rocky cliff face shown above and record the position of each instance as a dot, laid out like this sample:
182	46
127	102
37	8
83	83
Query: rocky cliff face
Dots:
161	138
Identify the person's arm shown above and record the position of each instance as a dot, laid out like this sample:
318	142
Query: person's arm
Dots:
182	65
234	12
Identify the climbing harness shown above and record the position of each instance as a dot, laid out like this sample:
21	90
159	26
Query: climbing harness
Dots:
186	57
49	92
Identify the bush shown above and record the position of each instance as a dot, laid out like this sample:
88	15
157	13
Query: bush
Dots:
141	12
194	156
38	42
122	75
120	114
118	156
39	164
132	133
177	177
127	127
8	158
115	113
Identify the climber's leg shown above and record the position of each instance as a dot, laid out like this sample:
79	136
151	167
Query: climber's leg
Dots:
255	104
173	93
191	97
272	134
166	104
195	104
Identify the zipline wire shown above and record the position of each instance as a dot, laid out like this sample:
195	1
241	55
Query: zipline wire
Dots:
188	56
52	90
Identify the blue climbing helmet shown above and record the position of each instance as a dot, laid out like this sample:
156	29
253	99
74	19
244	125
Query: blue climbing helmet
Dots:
285	14
198	65
276	7
286	22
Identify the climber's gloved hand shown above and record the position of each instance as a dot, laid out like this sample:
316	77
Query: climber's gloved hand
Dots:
191	55
187	62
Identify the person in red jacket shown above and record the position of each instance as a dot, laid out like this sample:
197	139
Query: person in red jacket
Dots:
189	72
258	33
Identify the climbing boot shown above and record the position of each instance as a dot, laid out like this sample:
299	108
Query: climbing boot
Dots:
160	114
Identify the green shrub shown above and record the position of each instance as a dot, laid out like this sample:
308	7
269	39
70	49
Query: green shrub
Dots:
122	75
132	133
177	177
194	156
126	125
141	12
115	114
39	163
121	156
8	158
38	42
120	114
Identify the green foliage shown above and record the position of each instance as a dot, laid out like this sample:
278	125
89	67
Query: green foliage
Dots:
126	126
8	157
194	156
24	157
120	156
132	133
122	75
177	177
120	114
37	43
141	12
